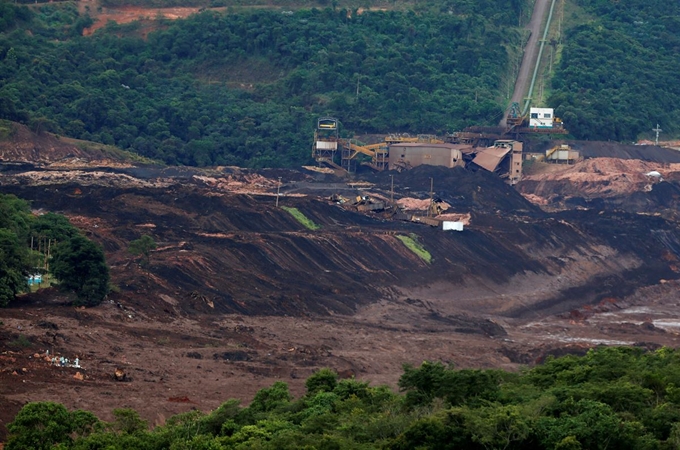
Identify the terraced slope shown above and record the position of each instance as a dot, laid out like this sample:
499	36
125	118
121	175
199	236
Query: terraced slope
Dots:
241	254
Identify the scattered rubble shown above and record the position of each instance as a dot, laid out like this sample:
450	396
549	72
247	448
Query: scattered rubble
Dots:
238	294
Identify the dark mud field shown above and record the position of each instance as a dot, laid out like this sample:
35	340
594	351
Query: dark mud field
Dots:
239	294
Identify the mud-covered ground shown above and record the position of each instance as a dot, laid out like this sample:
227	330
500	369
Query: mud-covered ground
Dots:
239	294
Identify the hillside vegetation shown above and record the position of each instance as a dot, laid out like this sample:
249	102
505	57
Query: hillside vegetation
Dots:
31	245
618	74
244	86
245	89
617	398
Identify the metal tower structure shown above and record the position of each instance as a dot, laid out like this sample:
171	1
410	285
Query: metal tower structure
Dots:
326	141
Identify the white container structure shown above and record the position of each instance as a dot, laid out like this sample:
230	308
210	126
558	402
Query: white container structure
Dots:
541	117
452	226
326	145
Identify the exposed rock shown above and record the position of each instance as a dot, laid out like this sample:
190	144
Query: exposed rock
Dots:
120	375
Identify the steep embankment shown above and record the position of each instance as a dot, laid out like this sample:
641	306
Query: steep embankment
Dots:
19	146
235	252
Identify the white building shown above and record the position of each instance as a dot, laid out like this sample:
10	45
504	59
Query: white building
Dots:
541	117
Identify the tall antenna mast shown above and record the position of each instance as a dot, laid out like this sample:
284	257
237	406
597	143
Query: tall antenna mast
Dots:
658	130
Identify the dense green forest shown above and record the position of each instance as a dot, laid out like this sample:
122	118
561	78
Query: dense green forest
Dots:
618	76
611	398
245	89
31	244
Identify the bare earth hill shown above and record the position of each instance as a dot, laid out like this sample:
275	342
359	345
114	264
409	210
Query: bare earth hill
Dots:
239	293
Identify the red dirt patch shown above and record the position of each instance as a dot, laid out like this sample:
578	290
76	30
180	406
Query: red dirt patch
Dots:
127	14
183	399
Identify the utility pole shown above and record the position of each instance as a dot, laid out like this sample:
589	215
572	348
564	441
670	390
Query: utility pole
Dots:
47	261
392	190
431	196
658	130
278	192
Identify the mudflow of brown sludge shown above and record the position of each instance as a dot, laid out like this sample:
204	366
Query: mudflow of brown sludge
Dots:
239	294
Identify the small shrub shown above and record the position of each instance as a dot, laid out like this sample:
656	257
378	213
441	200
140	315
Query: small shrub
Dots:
301	218
415	246
6	129
143	246
22	341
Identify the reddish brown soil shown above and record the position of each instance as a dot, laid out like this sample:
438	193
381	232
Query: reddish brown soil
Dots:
610	177
238	294
202	360
147	16
127	14
45	149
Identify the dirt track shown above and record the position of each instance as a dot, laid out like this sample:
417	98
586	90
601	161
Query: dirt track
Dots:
530	55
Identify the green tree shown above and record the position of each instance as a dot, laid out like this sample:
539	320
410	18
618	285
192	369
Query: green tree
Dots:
15	215
556	410
593	424
41	425
83	423
568	443
351	388
80	266
143	246
127	421
498	427
225	412
53	226
155	98
271	398
436	431
423	384
323	380
42	124
14	266
17	228
674	437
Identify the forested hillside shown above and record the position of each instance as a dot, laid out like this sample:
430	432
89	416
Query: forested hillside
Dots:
612	398
618	76
244	89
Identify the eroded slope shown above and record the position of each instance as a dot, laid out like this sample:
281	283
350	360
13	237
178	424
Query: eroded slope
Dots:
239	253
239	294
